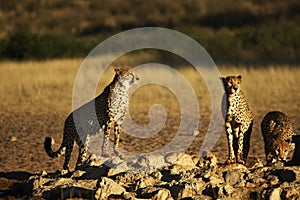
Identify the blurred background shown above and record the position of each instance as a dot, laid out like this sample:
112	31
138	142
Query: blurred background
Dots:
232	31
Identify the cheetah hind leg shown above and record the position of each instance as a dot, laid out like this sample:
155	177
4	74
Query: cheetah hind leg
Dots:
246	146
69	149
82	156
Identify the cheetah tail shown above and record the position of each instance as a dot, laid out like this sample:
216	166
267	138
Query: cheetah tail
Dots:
48	148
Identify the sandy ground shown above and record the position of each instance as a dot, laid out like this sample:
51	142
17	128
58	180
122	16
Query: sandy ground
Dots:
25	123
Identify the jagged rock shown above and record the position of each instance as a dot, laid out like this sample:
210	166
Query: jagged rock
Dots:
150	163
185	190
118	168
215	180
211	160
145	182
291	192
181	159
163	194
179	169
234	178
108	187
186	177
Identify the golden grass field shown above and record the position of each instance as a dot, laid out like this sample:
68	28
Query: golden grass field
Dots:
36	97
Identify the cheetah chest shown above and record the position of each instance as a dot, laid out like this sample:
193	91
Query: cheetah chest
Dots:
119	100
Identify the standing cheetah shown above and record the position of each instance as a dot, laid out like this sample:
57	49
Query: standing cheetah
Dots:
277	131
109	107
238	120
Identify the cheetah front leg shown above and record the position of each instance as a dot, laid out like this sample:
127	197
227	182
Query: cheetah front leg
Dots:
106	138
116	140
240	158
231	156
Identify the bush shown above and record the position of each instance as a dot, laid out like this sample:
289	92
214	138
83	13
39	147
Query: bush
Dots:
25	45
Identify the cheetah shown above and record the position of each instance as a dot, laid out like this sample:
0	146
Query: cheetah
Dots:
277	131
238	120
107	109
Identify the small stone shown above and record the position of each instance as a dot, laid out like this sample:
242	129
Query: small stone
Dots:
195	133
258	180
275	194
228	189
77	173
44	173
13	139
250	185
273	179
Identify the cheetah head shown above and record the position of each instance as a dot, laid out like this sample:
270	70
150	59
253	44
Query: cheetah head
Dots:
126	76
282	147
232	83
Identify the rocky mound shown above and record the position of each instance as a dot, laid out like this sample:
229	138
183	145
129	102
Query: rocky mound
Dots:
171	177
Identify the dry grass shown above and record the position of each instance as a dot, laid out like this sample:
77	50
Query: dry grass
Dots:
37	97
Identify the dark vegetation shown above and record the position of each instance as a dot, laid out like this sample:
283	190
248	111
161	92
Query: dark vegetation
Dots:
230	30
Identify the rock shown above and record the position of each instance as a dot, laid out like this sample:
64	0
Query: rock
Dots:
181	169
150	163
181	159
275	194
234	178
163	194
108	187
13	139
215	180
258	181
291	193
185	190
250	185
226	190
145	182
273	179
77	173
253	163
210	161
118	168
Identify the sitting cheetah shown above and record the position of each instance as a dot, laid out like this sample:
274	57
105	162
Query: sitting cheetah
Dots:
109	108
277	131
238	120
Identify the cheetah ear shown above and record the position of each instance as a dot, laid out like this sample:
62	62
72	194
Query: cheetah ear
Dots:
239	77
118	70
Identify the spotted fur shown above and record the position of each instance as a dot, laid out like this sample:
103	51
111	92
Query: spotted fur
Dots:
238	120
277	131
106	110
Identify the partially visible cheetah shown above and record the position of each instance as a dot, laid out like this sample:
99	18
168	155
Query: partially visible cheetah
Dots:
277	131
102	112
238	120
